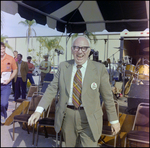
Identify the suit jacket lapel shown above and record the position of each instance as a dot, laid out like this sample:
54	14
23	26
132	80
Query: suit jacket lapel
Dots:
67	75
89	74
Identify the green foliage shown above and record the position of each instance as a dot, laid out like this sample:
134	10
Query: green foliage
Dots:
29	24
31	49
30	30
50	45
6	44
3	38
91	36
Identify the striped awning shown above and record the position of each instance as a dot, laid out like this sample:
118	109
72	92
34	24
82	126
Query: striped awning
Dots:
79	16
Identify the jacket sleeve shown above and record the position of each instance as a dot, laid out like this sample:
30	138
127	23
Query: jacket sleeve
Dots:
27	68
107	96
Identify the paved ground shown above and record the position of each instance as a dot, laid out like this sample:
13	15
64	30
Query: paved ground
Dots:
22	138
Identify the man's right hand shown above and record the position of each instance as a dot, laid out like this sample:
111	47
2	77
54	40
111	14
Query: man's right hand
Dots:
34	118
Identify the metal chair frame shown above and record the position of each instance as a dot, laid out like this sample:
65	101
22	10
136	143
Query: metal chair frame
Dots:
136	124
33	88
51	121
28	114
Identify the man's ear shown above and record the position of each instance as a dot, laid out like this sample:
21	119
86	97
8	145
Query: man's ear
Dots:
71	50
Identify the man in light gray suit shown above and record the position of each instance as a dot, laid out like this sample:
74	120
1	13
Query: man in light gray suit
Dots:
81	126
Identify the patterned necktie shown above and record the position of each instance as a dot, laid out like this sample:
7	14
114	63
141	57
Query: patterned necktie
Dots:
77	88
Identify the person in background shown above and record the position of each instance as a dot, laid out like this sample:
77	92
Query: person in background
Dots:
20	78
78	112
45	67
15	55
31	68
13	83
9	68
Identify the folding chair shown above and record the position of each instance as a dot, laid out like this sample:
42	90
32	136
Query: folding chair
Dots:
33	88
141	122
106	130
47	80
24	117
48	121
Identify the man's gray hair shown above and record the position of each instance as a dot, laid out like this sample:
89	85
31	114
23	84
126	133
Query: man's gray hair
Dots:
79	37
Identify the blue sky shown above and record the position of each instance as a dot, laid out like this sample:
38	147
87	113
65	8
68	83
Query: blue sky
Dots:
11	28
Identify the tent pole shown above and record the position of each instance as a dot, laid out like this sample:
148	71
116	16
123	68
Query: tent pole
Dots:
121	59
107	45
105	40
66	41
121	48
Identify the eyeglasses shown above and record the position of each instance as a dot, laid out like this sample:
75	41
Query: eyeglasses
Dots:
77	48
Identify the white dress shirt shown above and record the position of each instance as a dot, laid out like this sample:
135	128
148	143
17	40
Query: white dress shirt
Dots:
83	69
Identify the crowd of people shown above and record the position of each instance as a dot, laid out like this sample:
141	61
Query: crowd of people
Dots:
14	76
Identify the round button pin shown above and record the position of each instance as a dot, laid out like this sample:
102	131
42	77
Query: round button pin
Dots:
93	85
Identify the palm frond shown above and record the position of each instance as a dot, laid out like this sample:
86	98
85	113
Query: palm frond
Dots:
3	38
23	23
29	31
6	44
74	35
50	44
89	35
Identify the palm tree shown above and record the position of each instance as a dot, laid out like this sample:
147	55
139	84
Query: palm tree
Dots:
50	45
6	44
30	30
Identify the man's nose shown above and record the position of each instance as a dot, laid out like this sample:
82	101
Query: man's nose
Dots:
80	50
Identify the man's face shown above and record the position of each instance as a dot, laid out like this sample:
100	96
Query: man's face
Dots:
19	57
3	49
46	58
29	60
80	57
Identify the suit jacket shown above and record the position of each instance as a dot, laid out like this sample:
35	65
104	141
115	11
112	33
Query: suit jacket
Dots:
95	72
24	70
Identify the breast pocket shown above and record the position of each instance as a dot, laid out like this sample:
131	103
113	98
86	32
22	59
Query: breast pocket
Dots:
8	66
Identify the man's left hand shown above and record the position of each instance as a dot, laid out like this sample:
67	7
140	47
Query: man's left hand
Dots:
115	128
6	82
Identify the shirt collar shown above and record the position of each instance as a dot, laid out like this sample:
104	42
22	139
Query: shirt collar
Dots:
84	65
20	62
